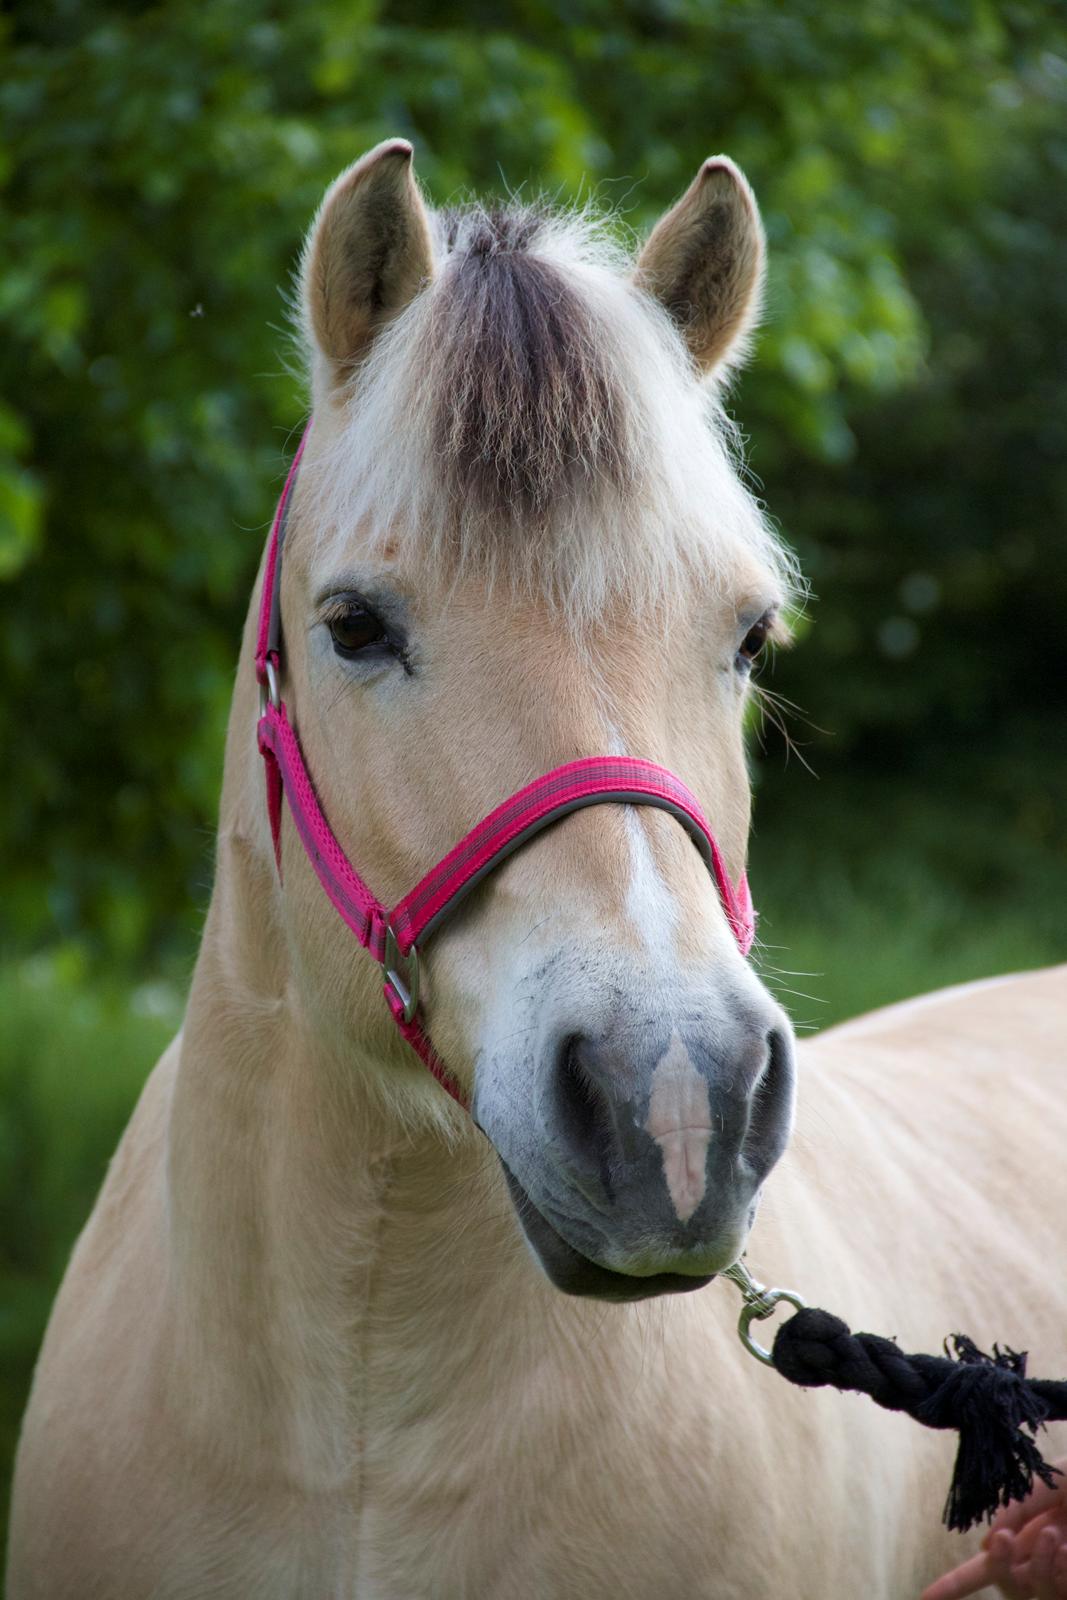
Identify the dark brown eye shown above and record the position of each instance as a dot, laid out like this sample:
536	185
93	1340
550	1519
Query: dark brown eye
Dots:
355	629
753	642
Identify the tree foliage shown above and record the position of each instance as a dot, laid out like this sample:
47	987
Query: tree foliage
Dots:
906	411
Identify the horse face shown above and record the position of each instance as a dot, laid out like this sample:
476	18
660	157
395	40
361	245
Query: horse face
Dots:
467	606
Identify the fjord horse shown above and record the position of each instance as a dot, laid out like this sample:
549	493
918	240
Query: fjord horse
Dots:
324	1334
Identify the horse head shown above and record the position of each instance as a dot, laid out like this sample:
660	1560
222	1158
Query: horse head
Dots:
519	538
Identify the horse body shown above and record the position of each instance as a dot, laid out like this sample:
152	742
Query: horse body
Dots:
303	1347
351	1388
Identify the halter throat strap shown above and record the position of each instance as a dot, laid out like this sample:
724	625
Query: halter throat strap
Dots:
395	937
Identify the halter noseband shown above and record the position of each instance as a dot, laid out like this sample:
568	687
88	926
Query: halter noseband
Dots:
395	937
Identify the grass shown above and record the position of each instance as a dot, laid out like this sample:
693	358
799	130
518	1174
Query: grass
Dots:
867	894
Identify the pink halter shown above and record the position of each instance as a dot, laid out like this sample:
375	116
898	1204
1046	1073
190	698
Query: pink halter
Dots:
395	937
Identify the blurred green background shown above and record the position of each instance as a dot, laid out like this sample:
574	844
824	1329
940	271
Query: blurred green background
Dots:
906	417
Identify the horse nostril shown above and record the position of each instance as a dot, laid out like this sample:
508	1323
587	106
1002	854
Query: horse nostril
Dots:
769	1120
584	1122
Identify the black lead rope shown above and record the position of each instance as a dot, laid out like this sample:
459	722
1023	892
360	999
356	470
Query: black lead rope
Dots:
989	1400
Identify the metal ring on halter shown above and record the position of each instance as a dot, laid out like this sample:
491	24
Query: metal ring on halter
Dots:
269	691
759	1304
402	974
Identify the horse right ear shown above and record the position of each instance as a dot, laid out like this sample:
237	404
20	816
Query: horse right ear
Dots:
367	255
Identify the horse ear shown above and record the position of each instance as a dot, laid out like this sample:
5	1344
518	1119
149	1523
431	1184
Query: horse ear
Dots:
367	255
704	262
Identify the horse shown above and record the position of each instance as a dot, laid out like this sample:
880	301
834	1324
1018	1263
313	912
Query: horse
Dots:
326	1334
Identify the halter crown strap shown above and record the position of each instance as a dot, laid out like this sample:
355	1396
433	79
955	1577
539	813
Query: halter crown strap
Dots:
269	635
394	937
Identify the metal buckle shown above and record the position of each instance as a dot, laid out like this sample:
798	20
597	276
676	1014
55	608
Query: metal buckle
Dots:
759	1303
269	690
402	974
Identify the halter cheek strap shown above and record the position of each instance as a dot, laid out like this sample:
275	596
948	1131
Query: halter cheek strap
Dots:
394	938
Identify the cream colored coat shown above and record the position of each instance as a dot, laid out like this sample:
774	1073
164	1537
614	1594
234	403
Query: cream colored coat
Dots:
301	1349
364	1388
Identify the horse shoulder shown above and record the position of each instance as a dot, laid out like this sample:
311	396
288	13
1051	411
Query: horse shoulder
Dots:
101	1341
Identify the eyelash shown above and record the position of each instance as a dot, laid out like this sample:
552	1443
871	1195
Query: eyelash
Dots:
380	641
760	632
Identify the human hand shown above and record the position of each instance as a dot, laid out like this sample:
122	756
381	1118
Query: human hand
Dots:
1024	1553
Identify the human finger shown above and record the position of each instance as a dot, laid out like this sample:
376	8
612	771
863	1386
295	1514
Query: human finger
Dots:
1004	1561
1041	1579
1007	1561
968	1578
1027	1535
1040	1498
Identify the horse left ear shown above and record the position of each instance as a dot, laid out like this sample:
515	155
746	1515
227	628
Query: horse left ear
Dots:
704	262
367	256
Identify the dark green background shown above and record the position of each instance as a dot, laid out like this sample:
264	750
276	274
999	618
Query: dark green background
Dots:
906	412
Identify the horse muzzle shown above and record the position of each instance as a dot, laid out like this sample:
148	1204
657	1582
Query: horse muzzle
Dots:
636	1170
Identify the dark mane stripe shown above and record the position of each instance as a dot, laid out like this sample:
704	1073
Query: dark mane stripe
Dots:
528	411
533	419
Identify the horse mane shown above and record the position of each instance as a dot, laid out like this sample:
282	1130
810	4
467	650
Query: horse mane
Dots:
534	415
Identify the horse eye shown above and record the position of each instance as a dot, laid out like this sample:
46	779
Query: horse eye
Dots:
354	629
754	640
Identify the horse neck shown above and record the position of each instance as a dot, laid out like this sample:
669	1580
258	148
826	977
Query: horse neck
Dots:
332	1269
311	1228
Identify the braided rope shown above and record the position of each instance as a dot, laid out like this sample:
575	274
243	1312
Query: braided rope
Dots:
988	1399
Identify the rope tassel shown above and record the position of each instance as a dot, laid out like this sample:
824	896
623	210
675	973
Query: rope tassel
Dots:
988	1399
